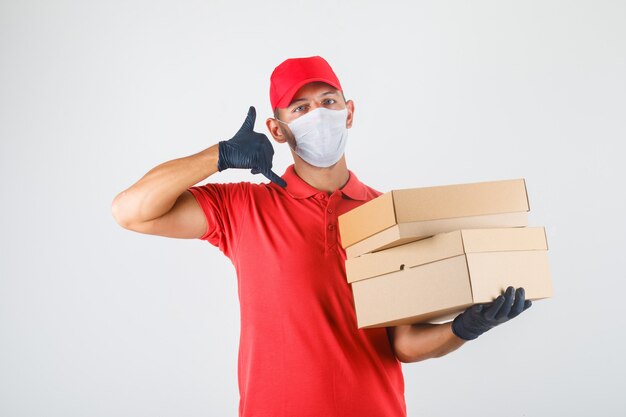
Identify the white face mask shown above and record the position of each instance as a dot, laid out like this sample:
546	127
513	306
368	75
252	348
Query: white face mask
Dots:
320	136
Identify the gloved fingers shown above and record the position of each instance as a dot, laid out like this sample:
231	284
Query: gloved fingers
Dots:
506	306
255	171
474	312
518	305
274	178
476	308
248	124
492	309
527	304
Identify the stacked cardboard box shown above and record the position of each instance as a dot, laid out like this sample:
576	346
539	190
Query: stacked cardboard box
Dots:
426	254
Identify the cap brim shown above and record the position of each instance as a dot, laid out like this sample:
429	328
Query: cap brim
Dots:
286	99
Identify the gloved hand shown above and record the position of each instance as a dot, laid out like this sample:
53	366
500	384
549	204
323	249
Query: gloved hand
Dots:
479	318
248	149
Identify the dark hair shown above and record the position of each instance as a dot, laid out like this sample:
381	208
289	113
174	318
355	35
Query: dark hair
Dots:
342	95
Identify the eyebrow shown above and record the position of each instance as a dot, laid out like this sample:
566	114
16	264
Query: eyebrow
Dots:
304	99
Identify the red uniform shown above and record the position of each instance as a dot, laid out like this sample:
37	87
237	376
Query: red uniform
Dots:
300	353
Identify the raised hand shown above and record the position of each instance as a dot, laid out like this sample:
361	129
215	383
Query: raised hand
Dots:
248	149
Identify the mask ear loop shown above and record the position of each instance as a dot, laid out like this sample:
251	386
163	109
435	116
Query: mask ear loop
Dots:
287	124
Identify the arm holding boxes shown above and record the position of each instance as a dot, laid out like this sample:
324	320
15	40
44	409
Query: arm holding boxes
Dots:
417	258
417	342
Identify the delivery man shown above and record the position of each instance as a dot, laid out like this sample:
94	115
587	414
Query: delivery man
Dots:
300	352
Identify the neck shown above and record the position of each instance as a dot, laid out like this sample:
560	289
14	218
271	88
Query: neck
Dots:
324	179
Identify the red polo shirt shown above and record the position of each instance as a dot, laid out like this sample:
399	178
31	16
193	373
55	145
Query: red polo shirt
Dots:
300	353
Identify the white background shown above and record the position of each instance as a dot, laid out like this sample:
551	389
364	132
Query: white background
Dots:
98	321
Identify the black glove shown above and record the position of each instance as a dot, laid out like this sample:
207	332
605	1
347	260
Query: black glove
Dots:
477	319
248	149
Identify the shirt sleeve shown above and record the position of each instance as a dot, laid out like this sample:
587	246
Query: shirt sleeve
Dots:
224	206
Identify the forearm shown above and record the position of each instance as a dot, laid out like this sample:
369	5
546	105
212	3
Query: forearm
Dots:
156	192
417	342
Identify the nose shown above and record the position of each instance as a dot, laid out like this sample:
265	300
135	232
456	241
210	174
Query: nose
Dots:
315	105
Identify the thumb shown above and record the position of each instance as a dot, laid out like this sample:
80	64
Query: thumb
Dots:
274	178
248	124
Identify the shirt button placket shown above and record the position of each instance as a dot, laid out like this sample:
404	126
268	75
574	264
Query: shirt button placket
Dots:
331	221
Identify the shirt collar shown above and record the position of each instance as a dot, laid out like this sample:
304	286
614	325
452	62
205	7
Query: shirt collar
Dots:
298	188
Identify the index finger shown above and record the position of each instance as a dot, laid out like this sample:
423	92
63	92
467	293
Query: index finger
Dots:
271	175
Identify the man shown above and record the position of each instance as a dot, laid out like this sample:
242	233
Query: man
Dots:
300	352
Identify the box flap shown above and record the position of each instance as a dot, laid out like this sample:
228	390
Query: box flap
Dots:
492	272
437	286
432	204
504	239
426	292
461	200
367	219
442	246
408	232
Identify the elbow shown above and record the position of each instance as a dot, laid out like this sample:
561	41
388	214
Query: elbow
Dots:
406	354
411	354
422	356
119	214
405	358
115	212
408	358
420	342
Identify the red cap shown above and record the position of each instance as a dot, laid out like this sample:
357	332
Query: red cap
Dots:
293	73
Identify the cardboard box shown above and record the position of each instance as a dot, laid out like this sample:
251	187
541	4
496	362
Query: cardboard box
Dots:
434	279
406	215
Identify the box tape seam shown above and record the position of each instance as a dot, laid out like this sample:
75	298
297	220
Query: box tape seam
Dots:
393	206
469	277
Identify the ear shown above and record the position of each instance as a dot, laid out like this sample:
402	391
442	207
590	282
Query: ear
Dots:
350	107
274	128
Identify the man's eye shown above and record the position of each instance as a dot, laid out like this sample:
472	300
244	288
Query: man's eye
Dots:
331	101
299	108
